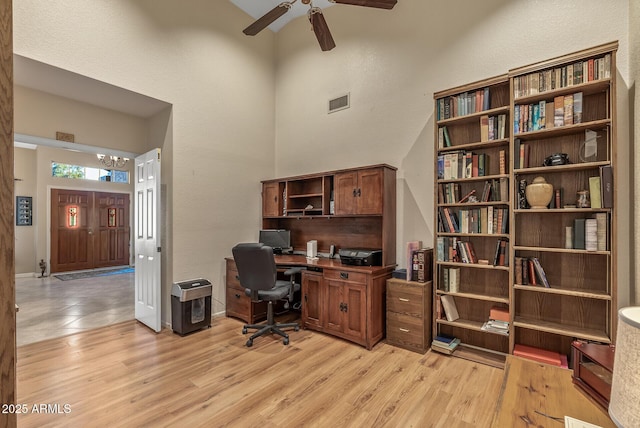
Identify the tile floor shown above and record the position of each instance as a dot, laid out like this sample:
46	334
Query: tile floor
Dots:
52	308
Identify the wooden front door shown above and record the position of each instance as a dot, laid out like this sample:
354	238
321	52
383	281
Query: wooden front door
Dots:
88	230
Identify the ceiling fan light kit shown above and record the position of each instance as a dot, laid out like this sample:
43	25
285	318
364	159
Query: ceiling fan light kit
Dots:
316	18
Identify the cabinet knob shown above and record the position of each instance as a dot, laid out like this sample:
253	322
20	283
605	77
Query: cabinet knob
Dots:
359	192
237	296
404	330
402	299
355	192
344	275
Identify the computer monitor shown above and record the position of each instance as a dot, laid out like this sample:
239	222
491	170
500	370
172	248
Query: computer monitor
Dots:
278	239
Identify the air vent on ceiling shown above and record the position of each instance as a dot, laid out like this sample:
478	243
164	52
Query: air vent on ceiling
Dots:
339	103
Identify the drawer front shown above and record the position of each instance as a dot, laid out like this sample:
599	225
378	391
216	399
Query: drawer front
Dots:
238	304
406	331
405	299
597	377
342	275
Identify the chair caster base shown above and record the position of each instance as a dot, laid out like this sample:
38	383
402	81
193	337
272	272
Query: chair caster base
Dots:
249	343
244	330
285	341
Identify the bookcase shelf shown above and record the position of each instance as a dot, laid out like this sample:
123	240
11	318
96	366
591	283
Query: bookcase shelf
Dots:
587	88
564	130
581	300
564	291
476	296
562	329
561	250
481	178
561	168
486	135
475	145
473	266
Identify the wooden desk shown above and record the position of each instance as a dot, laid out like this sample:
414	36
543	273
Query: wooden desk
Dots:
341	300
529	387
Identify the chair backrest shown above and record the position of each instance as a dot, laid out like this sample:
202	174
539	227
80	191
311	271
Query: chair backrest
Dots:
256	266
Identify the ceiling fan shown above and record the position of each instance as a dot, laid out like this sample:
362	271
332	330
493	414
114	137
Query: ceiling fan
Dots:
318	23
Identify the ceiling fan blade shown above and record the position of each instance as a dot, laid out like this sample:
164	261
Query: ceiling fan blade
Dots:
266	20
321	29
381	4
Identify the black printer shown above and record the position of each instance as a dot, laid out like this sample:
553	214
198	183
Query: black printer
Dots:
360	257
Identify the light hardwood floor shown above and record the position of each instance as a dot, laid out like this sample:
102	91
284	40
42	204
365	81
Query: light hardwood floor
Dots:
125	375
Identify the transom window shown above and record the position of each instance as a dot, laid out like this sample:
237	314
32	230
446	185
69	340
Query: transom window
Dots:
64	170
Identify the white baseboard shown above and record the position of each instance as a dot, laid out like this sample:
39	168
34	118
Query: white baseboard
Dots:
26	275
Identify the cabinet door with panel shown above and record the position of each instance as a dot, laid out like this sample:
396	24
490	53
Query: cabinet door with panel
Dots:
271	199
359	192
346	304
313	299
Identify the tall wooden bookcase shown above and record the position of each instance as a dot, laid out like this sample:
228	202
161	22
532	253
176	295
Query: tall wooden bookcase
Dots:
464	116
580	302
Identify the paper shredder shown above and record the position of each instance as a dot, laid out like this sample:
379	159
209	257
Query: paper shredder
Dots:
190	305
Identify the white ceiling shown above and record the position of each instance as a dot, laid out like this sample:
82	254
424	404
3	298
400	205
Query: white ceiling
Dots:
257	8
47	78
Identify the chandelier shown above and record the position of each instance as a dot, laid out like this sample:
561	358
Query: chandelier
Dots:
112	161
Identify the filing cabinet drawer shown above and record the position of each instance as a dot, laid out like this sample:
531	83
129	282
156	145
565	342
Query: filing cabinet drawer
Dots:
341	275
405	299
406	331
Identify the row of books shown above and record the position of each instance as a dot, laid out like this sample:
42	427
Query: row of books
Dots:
452	249
462	164
487	220
493	127
463	104
562	77
565	110
529	271
445	344
494	190
591	234
501	255
450	279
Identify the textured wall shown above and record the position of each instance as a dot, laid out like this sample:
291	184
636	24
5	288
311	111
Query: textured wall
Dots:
221	86
393	61
634	55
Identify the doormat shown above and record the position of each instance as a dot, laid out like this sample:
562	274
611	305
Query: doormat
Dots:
92	274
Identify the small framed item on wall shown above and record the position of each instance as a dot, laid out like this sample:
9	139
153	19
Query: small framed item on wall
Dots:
24	210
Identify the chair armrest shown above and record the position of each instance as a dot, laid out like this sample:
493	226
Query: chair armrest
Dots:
293	271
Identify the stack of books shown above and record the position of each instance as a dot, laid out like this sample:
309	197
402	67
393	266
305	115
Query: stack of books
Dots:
445	344
496	326
498	321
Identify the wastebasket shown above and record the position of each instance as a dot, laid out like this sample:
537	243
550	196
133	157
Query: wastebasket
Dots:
190	305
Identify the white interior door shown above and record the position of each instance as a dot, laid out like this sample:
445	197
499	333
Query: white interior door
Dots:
148	283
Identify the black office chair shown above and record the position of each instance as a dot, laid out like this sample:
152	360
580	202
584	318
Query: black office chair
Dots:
257	273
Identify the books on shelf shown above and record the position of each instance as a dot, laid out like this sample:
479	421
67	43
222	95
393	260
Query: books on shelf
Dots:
501	257
606	186
410	248
422	263
469	102
529	271
538	354
564	110
449	306
594	192
445	344
450	280
494	326
561	77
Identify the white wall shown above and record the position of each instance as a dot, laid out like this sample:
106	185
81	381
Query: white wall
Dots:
393	61
25	172
634	105
220	82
